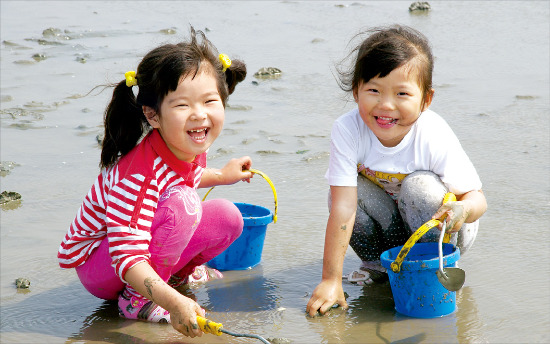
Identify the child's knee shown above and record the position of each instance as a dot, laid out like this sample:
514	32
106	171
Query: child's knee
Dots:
422	189
230	216
466	236
421	195
423	182
234	216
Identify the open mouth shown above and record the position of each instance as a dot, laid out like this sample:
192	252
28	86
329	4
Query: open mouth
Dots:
198	134
385	121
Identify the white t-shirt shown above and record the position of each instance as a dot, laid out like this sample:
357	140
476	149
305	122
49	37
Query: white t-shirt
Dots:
430	145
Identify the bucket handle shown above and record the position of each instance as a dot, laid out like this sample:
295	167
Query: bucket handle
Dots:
270	184
396	265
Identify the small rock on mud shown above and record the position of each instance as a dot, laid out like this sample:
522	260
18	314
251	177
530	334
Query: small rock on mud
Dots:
8	196
53	32
419	6
22	283
268	73
39	57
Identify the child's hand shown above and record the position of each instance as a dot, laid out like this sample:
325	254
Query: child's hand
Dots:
456	214
325	296
232	172
183	316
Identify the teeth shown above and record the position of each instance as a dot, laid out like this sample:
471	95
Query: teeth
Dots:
197	130
386	118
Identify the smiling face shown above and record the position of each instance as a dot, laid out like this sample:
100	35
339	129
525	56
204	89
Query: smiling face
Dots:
389	106
191	117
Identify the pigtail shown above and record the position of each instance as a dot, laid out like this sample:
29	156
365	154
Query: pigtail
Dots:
124	125
235	74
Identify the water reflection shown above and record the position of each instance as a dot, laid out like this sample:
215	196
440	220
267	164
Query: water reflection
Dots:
67	312
469	323
245	301
105	325
53	313
242	291
237	292
371	317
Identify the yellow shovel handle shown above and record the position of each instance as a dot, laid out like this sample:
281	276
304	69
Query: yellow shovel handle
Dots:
449	197
208	326
270	184
396	264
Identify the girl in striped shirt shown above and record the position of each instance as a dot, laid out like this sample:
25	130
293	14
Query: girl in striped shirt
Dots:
142	230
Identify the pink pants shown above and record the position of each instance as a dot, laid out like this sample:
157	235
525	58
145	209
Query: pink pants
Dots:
185	233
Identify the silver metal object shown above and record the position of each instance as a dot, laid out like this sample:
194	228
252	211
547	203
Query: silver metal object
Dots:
451	278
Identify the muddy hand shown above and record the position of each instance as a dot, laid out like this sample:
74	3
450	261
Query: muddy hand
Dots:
325	296
454	214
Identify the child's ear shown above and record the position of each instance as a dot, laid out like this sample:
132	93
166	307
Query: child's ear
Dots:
151	116
355	94
428	99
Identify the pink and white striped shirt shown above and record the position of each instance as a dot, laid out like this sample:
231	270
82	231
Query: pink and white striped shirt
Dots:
122	202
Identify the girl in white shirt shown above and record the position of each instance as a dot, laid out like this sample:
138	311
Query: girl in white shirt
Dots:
391	163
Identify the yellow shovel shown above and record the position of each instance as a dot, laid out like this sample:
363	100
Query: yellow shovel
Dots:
208	326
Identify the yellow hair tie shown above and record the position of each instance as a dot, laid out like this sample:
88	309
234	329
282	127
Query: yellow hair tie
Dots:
130	78
226	61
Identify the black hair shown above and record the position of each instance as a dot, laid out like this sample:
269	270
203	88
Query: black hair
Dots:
385	49
159	72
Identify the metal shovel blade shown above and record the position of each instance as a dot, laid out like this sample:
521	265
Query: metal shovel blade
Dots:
451	278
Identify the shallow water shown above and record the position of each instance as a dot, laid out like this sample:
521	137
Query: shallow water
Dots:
492	86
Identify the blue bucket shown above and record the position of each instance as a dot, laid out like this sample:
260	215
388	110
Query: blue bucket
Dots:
416	290
246	252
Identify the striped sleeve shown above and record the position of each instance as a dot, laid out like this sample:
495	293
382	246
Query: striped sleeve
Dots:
199	170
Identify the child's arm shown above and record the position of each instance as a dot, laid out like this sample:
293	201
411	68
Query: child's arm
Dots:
231	173
339	227
183	310
468	208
